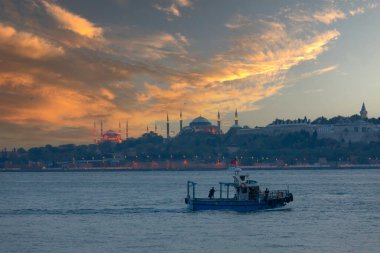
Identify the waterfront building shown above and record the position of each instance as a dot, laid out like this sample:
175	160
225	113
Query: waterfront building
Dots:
345	130
278	127
349	131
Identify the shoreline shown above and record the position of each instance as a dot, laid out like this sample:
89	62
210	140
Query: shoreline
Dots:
248	168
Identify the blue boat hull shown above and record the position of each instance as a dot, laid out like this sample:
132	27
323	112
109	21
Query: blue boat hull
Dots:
232	205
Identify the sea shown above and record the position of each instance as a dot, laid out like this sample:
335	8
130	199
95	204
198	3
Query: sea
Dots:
144	211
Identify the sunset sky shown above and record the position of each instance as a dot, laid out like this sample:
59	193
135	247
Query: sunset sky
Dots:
64	64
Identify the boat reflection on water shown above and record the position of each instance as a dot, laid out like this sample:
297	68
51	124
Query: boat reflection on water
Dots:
247	195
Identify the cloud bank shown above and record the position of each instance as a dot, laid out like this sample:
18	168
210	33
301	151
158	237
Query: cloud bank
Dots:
57	81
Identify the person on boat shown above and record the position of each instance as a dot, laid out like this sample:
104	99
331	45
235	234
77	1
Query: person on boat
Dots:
211	193
266	193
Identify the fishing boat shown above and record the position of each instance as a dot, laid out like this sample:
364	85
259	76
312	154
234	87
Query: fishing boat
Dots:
247	195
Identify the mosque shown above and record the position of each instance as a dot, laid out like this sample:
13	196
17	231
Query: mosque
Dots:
199	124
109	135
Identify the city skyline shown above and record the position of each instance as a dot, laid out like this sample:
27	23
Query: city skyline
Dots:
178	123
66	64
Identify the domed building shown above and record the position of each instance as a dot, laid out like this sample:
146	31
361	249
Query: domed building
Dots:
111	136
201	124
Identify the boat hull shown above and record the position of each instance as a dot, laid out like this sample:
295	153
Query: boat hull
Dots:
232	205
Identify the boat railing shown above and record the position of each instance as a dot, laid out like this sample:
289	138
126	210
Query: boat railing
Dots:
277	194
273	194
191	184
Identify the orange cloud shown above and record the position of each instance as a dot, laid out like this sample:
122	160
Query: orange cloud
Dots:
252	56
56	107
252	69
107	94
183	3
73	22
26	44
16	79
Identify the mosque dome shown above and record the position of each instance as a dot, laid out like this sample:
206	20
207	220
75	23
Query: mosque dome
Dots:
111	134
199	122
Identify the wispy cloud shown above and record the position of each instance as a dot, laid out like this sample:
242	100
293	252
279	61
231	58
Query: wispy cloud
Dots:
252	69
154	46
73	22
329	16
292	80
359	10
326	16
174	8
238	21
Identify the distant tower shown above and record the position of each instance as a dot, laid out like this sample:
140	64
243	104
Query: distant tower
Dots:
180	121
236	118
119	129
94	132
155	127
126	130
101	128
363	112
147	129
167	126
218	120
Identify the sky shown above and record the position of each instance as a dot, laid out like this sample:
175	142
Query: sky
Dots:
65	64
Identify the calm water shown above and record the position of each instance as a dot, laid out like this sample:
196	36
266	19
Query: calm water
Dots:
333	211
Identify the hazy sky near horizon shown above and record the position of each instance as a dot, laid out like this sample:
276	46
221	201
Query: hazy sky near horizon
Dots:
67	63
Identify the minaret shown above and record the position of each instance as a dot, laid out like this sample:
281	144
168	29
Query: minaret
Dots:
126	130
94	132
236	118
218	120
167	126
180	121
119	139
363	112
101	128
